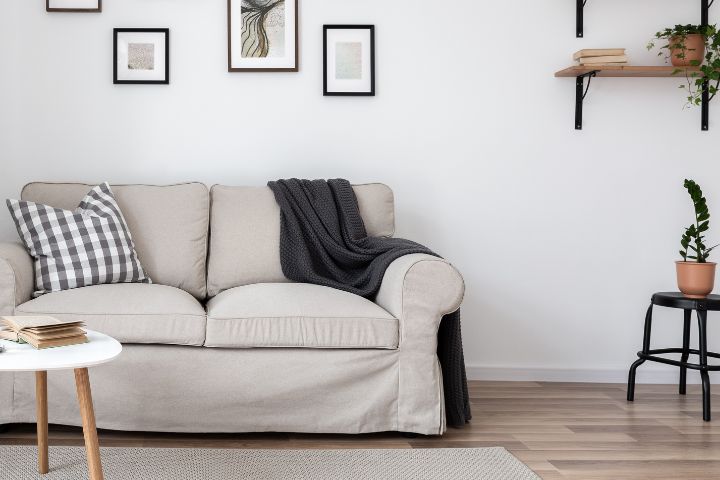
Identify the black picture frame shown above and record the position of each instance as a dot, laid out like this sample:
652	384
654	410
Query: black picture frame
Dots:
48	8
166	80
371	92
294	69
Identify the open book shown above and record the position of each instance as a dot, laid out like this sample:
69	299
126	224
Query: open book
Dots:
42	331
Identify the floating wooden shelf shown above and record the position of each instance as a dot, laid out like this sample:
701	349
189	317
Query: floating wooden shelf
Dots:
622	71
629	71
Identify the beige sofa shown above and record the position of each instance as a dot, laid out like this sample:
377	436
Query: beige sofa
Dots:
222	341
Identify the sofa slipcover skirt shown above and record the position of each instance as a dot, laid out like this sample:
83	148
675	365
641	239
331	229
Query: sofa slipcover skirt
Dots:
238	390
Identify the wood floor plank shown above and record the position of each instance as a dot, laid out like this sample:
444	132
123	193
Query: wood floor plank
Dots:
629	454
564	431
550	475
578	438
626	429
634	469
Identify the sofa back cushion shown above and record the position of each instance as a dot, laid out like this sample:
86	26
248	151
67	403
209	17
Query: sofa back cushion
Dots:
245	232
169	225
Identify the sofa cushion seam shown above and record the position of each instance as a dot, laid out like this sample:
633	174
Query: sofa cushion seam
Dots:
318	347
192	315
388	320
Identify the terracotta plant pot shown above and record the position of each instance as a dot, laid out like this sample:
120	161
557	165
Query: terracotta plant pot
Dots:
695	280
694	50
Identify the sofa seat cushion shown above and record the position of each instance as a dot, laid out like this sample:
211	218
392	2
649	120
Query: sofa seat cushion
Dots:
129	312
297	315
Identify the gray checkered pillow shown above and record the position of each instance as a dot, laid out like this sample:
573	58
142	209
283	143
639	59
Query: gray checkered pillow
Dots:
89	246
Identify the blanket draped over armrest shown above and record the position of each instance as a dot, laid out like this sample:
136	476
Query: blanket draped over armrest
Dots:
323	241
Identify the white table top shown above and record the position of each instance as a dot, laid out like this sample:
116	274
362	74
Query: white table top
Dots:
24	358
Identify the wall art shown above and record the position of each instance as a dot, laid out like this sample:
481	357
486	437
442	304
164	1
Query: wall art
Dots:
349	60
141	56
263	35
86	6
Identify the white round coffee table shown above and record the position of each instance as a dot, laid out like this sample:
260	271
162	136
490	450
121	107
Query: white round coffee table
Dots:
23	358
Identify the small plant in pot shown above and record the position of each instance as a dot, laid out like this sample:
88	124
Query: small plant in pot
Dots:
695	275
693	46
685	44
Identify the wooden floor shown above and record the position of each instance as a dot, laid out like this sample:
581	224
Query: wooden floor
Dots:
560	430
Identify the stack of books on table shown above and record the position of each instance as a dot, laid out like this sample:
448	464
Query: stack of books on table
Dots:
42	332
599	57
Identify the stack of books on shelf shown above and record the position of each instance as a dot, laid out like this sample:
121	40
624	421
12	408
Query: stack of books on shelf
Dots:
41	331
599	57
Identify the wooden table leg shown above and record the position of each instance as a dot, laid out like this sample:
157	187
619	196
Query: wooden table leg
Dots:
92	447
42	421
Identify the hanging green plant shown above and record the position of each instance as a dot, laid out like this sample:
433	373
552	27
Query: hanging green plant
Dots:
692	46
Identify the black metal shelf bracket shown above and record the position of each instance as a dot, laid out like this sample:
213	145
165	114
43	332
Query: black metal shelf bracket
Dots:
705	105
580	20
705	11
705	115
581	92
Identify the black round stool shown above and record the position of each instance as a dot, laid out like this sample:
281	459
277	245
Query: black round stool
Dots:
701	306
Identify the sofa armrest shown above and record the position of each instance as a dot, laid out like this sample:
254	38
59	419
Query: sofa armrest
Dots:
418	289
17	277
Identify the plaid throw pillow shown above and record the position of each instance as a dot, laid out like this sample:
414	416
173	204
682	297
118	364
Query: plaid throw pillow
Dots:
89	246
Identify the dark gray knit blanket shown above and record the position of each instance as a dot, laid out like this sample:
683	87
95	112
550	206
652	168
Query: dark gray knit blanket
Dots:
323	241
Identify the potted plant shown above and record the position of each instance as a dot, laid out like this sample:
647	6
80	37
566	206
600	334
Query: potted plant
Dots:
695	275
685	44
696	50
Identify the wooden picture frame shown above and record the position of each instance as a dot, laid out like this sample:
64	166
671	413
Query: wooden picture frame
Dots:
153	78
360	80
255	63
48	8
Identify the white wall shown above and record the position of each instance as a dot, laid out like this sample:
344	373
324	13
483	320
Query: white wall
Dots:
561	235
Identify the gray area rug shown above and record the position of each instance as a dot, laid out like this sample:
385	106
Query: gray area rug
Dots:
68	463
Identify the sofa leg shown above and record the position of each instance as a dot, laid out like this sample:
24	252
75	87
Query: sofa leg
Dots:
4	427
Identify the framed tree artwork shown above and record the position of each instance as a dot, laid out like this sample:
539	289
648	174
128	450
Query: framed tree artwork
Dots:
141	56
349	60
263	35
91	6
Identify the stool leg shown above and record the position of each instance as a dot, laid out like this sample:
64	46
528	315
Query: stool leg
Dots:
702	329
648	328
706	395
686	351
640	361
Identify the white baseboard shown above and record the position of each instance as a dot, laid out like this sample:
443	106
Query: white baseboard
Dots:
645	374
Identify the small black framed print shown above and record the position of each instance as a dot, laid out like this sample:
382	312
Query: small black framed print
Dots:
141	56
81	6
349	60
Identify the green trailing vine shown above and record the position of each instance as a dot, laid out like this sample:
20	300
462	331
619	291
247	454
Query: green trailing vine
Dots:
693	247
708	70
